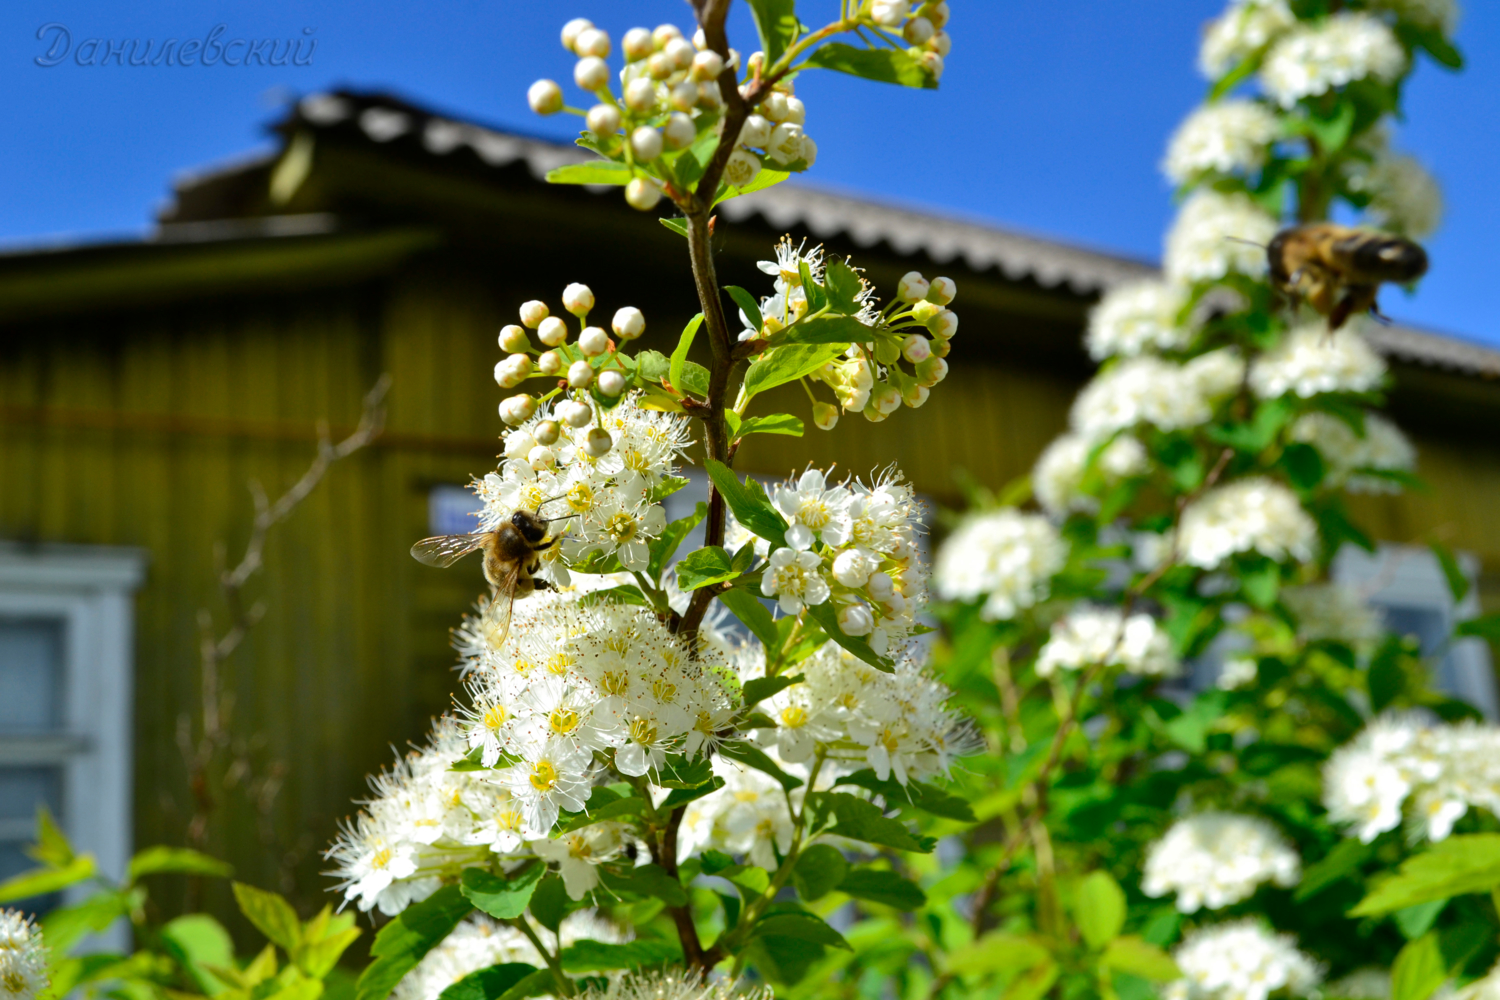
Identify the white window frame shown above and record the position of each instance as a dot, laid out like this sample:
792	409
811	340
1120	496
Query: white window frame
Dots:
1410	576
91	591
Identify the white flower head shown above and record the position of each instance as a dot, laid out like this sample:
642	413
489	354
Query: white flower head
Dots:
1059	474
479	942
1334	611
1242	960
1137	318
1404	197
814	510
1350	457
1246	28
1216	235
1154	391
1004	556
675	984
1229	137
1104	637
1310	360
1315	58
795	579
579	853
1216	859
23	957
1248	515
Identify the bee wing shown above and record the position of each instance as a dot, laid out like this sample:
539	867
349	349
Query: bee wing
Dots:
443	551
505	602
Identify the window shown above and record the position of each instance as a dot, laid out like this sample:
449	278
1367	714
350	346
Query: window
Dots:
1407	585
66	687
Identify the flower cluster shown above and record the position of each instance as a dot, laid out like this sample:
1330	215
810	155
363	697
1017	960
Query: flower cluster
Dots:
1242	31
1248	515
1352	456
1217	235
855	545
674	985
1404	197
1216	859
1135	318
1060	473
480	942
1310	360
749	816
23	957
1333	611
1443	770
1229	137
1003	556
1151	390
1106	637
1241	960
1313	59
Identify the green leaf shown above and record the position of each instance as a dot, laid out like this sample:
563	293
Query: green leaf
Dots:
1134	955
672	536
539	983
1099	909
1461	864
40	881
861	820
827	329
549	902
751	880
997	952
752	756
772	423
1458	580
1418	970
1190	729
65	927
679	356
885	887
1303	464
748	502
319	958
776	24
882	65
176	860
819	870
802	926
597	956
680	773
1241	72
645	880
1386	677
817	299
747	305
628	805
1260	586
787	363
759	689
409	936
923	796
196	940
594	172
682	796
52	847
1414	921
272	915
766	178
753	615
1332	132
678	226
825	615
1483	627
503	898
1342	861
704	567
843	286
490	983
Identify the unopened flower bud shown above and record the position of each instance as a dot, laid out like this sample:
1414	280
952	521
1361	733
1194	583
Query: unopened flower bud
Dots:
941	347
518	444
680	51
547	432
684	96
636	44
852	568
679	132
925	310
660	66
517	409
519	366
873	413
741	168
944	324
578	299
940	43
881	586
603	120
598	442
774	106
785	145
541	457
664	34
533	312
550	363
545	97
642	194
646	143
913	287
513	339
889	13
809	150
591	74
856	619
756	131
896	604
915	395
917	30
700	40
914	349
709	96
592	42
707	65
576	414
756	65
553	332
640	95
580	375
796	111
611	383
885	398
942	291
932	371
573	29
593	341
932	63
505	376
629	323
825	415
937	14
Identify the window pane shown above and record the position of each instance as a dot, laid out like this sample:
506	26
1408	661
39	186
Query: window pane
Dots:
1429	626
22	791
31	657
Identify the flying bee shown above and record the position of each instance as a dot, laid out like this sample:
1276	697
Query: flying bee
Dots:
512	557
1338	270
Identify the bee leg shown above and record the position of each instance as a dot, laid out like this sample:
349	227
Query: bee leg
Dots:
1380	317
539	584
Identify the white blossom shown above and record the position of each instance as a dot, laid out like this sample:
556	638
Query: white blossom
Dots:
1233	136
1404	197
1247	515
23	957
1382	448
1104	637
814	511
1216	235
675	985
1334	611
1216	859
795	579
1137	318
748	816
1003	556
1246	28
1154	391
1310	360
1241	960
1314	58
479	942
1058	476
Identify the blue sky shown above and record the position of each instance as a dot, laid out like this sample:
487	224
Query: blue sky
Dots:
1051	118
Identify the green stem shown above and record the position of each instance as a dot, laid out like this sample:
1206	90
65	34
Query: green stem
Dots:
564	984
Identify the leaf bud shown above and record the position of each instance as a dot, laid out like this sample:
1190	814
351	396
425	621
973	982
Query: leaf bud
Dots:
592	42
580	374
940	43
679	132
575	414
917	30
796	111
663	34
825	415
640	95
646	142
913	287
612	382
636	44
916	349
597	443
518	444
550	363
932	371
944	324
915	395
887	350
756	131
629	323
593	341
547	432
707	65
741	168
642	193
517	409
889	13
553	332
591	74
545	97
660	66
942	291
578	299
533	312
541	457
603	120
856	619
572	30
